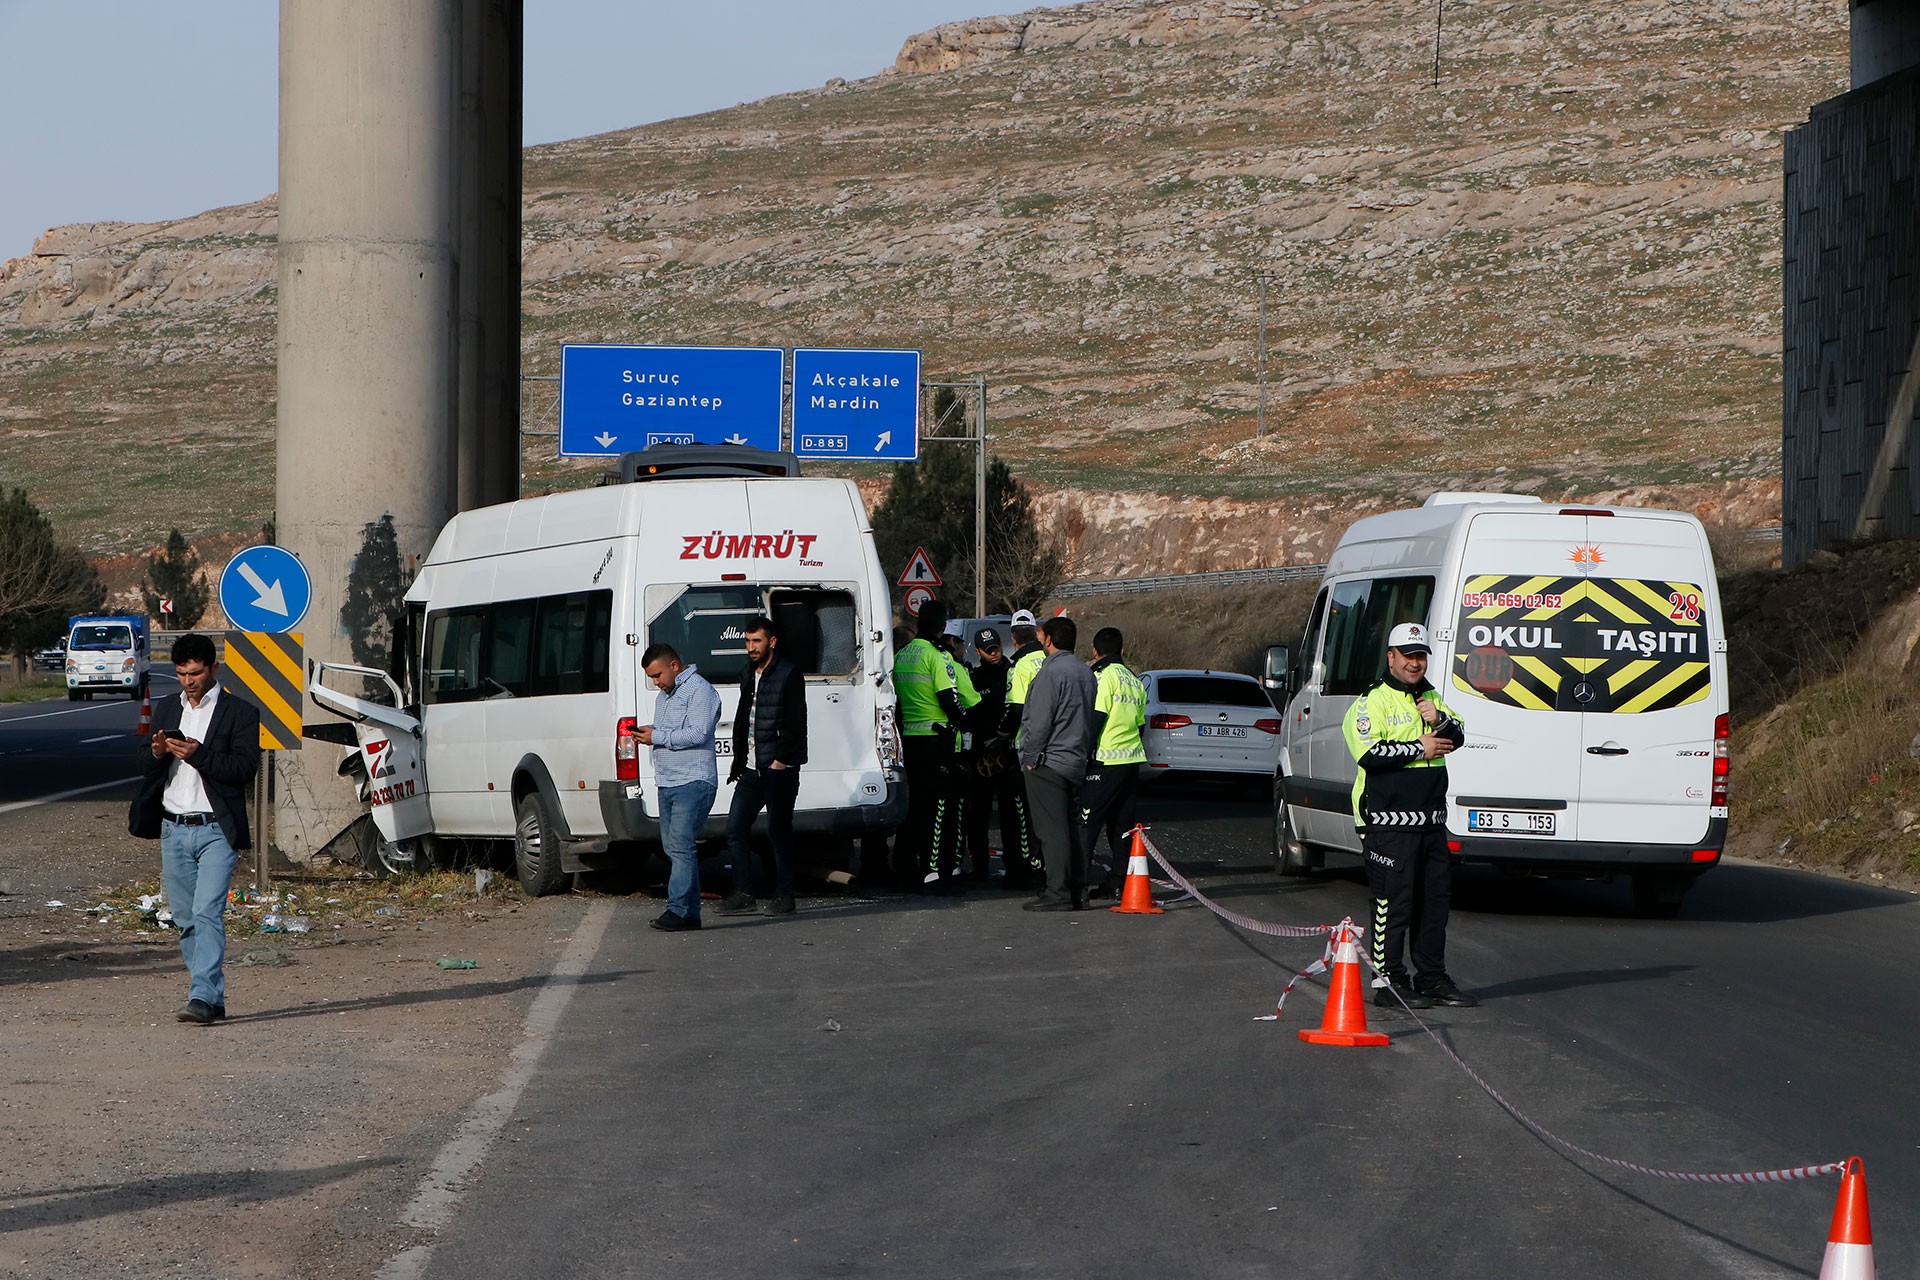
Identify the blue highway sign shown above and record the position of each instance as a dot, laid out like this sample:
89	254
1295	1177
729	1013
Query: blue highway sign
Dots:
616	399
265	588
856	404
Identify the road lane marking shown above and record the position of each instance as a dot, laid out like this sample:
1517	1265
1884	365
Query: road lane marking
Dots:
70	711
87	742
459	1160
65	795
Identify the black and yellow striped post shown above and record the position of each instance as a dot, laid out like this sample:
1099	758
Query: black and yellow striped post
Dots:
265	667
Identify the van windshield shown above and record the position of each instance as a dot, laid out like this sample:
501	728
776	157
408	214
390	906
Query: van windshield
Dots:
1582	644
101	637
706	625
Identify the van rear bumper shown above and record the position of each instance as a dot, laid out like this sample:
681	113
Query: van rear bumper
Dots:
627	820
1562	857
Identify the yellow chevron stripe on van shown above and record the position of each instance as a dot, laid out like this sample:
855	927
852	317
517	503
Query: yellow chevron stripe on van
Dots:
1627	674
1644	700
1605	599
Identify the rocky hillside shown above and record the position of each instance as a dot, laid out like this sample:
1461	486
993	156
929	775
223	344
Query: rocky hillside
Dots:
1554	267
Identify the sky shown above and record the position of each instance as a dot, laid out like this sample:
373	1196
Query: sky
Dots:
132	111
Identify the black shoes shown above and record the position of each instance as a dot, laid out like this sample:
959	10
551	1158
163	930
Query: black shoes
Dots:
1107	888
673	922
1400	994
1048	902
780	906
1441	990
199	1011
736	904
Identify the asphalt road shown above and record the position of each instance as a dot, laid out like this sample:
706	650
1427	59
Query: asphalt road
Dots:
935	1088
55	746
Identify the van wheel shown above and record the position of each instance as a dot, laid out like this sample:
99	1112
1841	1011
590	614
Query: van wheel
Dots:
1657	894
536	846
1290	857
73	695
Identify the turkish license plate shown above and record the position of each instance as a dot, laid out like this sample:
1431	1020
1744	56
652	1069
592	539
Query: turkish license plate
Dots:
103	679
1518	820
1223	731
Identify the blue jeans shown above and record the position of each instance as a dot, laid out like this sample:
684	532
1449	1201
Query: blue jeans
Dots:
196	865
683	811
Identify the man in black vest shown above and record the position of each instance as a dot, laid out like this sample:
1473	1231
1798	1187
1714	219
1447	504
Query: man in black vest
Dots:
769	746
203	754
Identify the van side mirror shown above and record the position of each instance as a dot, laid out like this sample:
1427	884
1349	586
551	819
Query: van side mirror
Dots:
1278	676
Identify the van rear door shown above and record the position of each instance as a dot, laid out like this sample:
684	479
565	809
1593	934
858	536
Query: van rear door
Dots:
1519	775
1647	735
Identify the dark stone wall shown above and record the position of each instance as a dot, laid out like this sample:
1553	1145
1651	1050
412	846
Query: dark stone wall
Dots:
1851	284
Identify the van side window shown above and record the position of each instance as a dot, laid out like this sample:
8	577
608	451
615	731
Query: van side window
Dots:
1307	657
520	648
1360	616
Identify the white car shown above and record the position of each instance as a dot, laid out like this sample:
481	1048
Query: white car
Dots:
1209	722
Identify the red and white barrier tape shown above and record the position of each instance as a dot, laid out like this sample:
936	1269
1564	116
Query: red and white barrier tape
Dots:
1321	965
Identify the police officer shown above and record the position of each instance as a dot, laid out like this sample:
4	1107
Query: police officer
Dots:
926	851
1400	732
1026	660
1107	796
996	776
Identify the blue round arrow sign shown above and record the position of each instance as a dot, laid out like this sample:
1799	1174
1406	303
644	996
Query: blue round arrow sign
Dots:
265	588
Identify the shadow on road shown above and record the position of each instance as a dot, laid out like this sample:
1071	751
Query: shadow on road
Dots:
1541	983
58	961
64	1206
400	999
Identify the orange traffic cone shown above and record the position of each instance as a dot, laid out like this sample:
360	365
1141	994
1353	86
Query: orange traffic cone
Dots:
145	726
1850	1239
1136	895
1346	1017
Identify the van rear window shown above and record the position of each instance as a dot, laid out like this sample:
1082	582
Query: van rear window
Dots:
706	625
1548	643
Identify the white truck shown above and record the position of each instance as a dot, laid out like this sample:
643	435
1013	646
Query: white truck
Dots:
1584	650
107	653
515	714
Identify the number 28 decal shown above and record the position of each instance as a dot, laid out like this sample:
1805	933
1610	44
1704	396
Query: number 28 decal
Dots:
1684	606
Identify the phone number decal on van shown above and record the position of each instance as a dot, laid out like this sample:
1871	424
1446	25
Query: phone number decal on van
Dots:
1582	644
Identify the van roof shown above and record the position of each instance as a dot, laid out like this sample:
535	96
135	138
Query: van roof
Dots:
1436	519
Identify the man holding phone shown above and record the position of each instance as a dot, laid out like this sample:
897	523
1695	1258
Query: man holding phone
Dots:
1401	733
197	766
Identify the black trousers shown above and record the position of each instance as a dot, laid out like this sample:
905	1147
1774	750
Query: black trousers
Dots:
1001	785
1107	804
930	842
1411	875
1052	797
774	790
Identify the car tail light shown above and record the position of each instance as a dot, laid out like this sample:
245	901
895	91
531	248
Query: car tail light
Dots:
626	749
1722	762
1267	726
1166	721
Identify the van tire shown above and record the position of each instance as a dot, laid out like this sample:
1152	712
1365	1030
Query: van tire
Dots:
1657	894
1290	856
536	846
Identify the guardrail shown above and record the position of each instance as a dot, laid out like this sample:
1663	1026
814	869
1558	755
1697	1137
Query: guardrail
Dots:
1243	577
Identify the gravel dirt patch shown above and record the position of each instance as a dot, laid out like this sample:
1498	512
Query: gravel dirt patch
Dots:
283	1143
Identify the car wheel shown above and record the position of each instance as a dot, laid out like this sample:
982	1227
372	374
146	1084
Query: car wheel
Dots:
536	846
73	695
1657	894
1290	856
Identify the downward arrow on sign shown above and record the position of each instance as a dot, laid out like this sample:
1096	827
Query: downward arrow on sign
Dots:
606	441
270	597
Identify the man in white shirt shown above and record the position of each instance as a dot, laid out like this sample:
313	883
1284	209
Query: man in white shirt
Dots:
203	754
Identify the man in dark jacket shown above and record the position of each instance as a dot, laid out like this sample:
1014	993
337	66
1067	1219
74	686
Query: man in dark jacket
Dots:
197	766
1056	738
996	776
769	746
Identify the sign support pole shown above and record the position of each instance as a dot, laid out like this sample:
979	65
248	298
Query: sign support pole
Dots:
980	498
260	858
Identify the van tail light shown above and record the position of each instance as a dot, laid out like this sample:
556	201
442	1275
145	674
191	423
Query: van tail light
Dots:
1453	846
1706	855
886	737
626	749
1585	511
1165	721
1267	726
1722	761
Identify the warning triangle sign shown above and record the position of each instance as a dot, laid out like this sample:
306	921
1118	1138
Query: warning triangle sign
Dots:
920	571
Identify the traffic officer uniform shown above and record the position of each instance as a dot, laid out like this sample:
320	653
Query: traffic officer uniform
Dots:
1023	664
957	780
929	729
995	780
1400	806
1107	795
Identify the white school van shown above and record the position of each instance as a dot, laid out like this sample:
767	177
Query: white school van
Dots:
523	687
1583	649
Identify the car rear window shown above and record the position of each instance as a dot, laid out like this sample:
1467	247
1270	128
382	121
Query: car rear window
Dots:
1211	689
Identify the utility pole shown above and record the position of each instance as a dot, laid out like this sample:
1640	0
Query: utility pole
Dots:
978	439
1260	423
